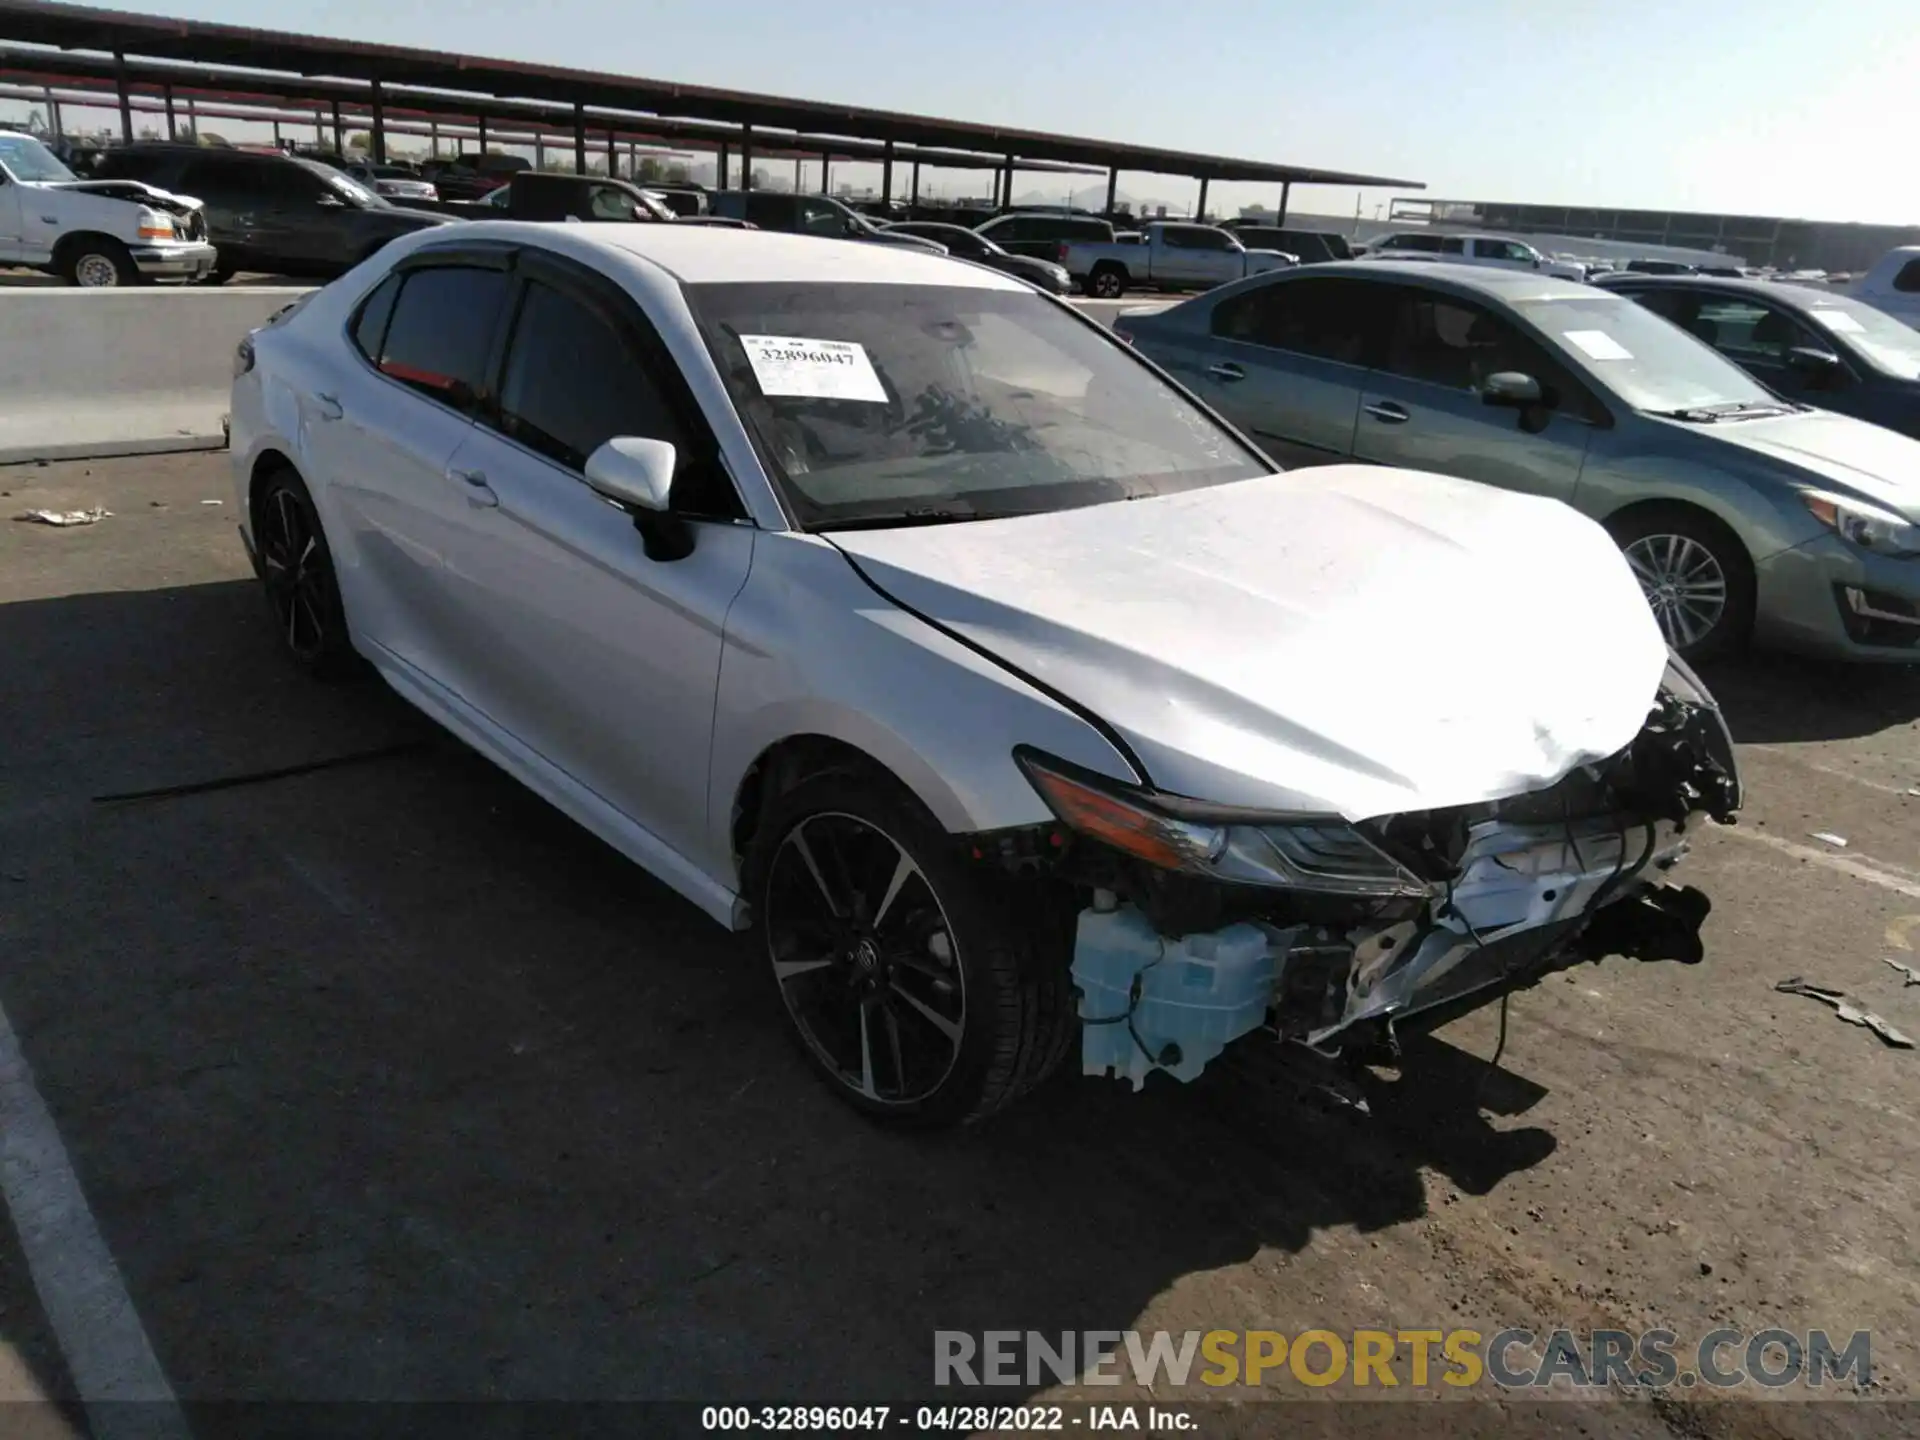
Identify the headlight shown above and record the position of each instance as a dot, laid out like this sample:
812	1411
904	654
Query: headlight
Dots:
1296	852
1865	526
153	224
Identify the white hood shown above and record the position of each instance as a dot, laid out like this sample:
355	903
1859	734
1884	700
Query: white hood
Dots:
1347	639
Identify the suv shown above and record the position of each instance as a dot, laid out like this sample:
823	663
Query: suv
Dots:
1045	236
806	215
1311	246
274	214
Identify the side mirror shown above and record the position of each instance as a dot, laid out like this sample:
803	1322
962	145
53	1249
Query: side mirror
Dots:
1511	388
635	474
1815	364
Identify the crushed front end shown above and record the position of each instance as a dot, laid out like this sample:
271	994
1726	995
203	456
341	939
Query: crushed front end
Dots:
1200	924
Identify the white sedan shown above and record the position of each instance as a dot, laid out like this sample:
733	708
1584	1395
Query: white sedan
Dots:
880	603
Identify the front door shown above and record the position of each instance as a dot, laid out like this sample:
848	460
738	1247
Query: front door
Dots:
601	660
1424	407
1286	362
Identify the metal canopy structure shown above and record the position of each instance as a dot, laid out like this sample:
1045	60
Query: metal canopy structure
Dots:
377	68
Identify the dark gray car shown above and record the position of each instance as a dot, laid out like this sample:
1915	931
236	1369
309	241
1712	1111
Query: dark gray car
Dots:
1741	512
965	244
276	214
1807	344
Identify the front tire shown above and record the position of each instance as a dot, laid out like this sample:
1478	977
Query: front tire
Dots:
912	987
1696	576
297	569
97	262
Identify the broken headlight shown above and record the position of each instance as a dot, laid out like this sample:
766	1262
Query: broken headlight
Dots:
1320	853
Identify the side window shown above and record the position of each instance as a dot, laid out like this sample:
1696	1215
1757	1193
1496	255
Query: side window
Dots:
441	332
370	325
817	217
606	203
1327	319
215	175
1746	330
1200	237
1173	237
770	212
1449	342
283	184
1453	245
573	381
1907	282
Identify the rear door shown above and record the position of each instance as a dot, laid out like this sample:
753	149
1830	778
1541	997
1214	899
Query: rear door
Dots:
299	220
221	183
602	660
1286	362
1422	408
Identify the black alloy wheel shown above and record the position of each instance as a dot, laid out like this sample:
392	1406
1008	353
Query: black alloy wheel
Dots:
897	964
297	569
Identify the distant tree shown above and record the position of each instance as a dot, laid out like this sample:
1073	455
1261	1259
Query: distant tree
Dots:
678	174
651	169
359	142
37	122
207	137
147	132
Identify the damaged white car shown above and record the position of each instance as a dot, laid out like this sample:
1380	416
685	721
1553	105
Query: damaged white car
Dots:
881	605
94	233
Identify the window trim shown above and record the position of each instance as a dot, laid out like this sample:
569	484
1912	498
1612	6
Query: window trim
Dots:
462	255
575	281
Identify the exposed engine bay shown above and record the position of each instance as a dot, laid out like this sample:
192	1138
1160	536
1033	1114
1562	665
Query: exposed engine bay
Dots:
1201	928
136	192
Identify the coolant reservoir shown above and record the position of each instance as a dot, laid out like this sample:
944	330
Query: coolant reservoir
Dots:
1186	999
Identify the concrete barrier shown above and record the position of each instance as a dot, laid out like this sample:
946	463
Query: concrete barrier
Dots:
86	374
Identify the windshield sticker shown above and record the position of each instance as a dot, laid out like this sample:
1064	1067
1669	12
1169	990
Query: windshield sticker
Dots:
1598	345
812	369
1840	322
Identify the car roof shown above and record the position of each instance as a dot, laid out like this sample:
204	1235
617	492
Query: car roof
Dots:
1505	285
1728	284
703	255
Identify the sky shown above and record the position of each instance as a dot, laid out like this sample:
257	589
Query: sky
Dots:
1740	106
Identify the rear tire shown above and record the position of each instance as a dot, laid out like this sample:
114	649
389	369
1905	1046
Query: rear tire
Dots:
97	262
1696	576
915	986
1107	282
296	566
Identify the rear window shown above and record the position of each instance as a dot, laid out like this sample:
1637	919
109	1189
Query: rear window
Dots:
872	401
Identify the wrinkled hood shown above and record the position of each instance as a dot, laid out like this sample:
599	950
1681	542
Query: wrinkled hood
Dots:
135	192
1345	639
1837	452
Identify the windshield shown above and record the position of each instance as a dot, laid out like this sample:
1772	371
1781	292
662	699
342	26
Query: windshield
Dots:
27	160
1889	344
920	402
345	184
1648	362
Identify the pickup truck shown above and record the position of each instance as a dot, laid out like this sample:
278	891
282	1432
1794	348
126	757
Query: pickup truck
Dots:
1493	250
1166	256
1893	285
94	233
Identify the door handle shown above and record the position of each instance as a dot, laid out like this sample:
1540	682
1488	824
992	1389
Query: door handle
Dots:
1388	411
1226	370
329	405
479	492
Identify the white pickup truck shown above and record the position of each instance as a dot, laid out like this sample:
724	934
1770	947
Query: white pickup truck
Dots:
1495	250
1166	256
93	232
1893	285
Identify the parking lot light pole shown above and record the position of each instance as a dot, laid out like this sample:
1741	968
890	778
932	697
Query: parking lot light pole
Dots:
379	126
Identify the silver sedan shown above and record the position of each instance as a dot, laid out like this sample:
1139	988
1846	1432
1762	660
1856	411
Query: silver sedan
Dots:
880	604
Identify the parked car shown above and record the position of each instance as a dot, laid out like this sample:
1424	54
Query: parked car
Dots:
1809	345
473	177
965	244
1892	284
272	213
1167	256
549	195
96	232
820	215
1742	512
683	200
1499	251
926	704
1659	267
395	182
1044	234
1309	247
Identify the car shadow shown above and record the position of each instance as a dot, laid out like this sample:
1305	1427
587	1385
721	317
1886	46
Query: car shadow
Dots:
1772	698
389	1082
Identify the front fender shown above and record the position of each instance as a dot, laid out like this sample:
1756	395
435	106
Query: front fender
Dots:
812	649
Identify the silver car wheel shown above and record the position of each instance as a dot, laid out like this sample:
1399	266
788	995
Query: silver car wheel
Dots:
864	956
1685	584
96	271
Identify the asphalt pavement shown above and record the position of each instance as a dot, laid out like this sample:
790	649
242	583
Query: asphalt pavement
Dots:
383	1081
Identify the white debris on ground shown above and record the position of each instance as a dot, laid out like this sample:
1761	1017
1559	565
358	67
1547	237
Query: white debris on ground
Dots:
65	517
